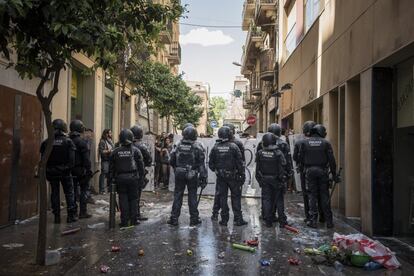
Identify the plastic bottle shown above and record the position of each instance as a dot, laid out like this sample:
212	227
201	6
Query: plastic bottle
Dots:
372	266
52	257
338	266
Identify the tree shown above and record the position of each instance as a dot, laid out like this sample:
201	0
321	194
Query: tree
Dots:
217	106
44	34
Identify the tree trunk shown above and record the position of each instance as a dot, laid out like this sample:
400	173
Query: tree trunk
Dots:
45	103
148	117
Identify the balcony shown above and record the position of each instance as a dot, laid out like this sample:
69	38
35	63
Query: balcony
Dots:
267	65
248	100
265	12
254	40
248	14
166	34
174	56
255	84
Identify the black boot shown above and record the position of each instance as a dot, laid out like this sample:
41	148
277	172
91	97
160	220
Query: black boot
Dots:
172	221
142	218
240	222
84	215
330	225
195	222
71	218
214	217
312	224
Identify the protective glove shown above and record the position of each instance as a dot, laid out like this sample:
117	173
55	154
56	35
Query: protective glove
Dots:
202	182
337	179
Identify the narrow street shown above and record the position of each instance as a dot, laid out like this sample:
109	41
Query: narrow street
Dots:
165	247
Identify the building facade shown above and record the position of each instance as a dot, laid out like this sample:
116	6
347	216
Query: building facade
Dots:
259	65
351	66
202	90
92	98
235	113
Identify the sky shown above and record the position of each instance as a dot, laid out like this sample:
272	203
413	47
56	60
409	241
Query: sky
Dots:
208	53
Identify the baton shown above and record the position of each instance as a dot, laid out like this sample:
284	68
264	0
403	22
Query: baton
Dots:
199	196
334	186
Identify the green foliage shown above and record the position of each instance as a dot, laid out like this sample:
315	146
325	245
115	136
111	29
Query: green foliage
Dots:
166	93
45	33
216	108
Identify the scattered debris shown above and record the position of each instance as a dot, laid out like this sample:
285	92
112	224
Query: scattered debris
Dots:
189	252
253	242
359	259
127	227
141	252
244	247
264	262
52	257
102	202
293	261
104	268
292	229
165	243
372	266
338	266
13	245
99	225
222	255
115	248
297	250
71	231
312	251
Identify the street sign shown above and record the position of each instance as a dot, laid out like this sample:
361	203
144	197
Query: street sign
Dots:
237	93
213	124
251	120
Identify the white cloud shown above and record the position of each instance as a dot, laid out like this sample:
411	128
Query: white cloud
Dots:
204	37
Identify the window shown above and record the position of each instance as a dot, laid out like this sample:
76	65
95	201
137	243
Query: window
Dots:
109	110
312	10
76	95
290	40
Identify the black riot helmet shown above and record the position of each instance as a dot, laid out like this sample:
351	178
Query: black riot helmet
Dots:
275	129
126	137
137	131
307	127
232	127
190	133
269	139
77	125
59	124
187	125
225	133
319	130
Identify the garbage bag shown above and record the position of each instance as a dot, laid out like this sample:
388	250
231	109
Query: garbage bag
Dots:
378	252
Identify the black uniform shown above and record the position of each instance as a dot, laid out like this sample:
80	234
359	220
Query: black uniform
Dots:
305	190
126	167
316	155
216	204
187	160
81	171
226	161
147	159
271	175
58	170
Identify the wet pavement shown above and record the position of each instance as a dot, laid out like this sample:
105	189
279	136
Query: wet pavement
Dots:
182	250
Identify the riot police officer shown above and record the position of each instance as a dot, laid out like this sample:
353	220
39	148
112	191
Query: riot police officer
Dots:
226	161
126	168
147	158
82	169
239	144
316	155
307	127
271	175
187	160
58	170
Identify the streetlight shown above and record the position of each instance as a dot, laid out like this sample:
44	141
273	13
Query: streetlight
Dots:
236	64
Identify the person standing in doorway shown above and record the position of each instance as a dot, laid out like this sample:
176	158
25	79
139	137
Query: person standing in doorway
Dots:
105	148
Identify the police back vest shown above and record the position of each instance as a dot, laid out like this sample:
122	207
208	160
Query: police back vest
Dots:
224	156
270	162
60	151
185	154
314	152
124	160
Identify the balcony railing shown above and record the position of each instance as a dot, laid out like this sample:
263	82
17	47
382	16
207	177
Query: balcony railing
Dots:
265	11
248	13
267	65
254	35
175	53
255	84
166	34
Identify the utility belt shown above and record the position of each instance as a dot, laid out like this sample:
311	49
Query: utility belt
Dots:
226	174
322	167
131	174
186	173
